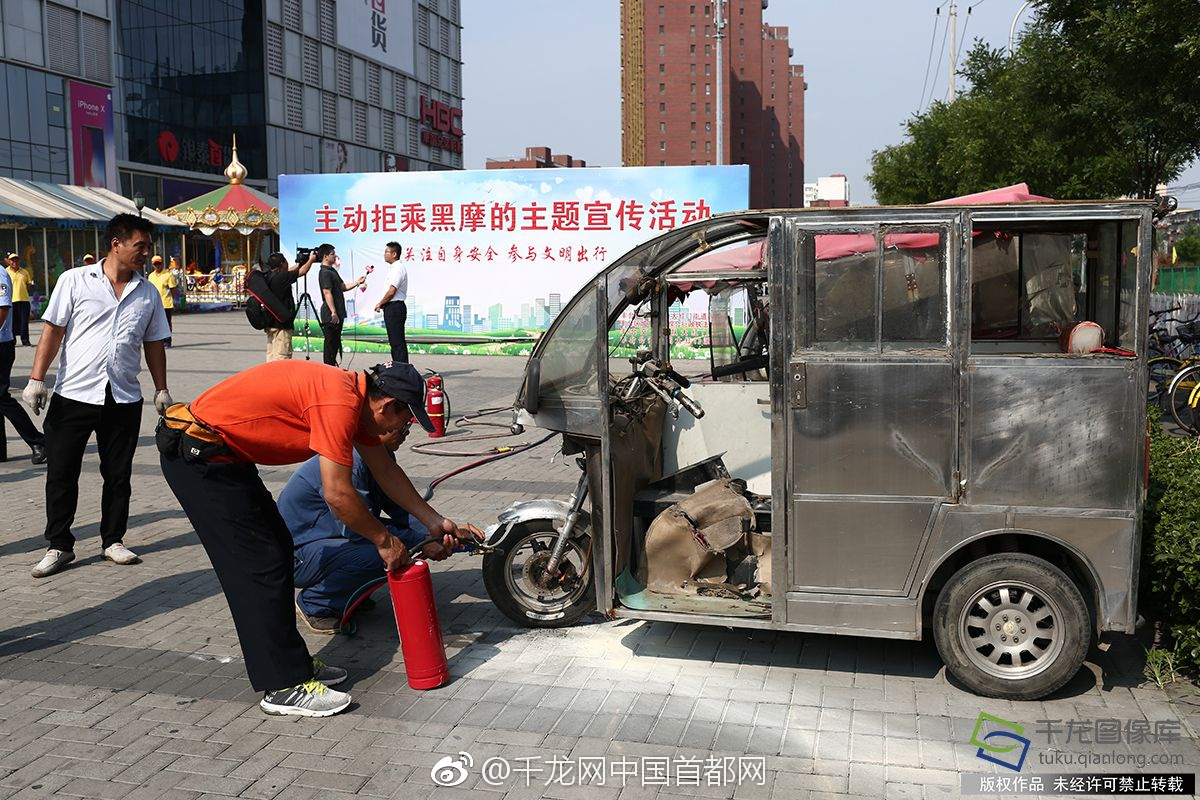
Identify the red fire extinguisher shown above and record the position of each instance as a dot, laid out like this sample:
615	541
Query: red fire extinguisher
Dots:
435	405
417	623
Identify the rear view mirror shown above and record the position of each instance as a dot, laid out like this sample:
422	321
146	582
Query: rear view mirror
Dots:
532	388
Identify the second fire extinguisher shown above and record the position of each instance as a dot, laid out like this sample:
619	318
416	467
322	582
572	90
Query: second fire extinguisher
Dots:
435	405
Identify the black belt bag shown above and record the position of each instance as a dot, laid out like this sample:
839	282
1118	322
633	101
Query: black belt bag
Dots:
180	433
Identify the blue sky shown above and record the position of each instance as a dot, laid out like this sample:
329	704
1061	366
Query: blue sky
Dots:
547	72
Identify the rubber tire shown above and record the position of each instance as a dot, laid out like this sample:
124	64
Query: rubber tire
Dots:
495	569
1048	580
1177	396
1162	371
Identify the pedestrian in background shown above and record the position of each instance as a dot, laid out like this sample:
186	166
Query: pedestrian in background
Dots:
101	316
281	280
333	305
395	312
88	259
22	279
9	407
166	285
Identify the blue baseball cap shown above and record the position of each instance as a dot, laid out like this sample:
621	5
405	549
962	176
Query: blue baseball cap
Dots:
403	382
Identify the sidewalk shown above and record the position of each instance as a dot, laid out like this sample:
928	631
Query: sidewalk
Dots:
127	682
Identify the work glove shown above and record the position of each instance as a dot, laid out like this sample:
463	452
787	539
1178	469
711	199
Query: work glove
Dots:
162	401
36	395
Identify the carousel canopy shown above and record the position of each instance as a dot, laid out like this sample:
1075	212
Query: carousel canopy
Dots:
231	207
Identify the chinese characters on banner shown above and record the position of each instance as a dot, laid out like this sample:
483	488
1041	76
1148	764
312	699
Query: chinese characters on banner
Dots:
488	251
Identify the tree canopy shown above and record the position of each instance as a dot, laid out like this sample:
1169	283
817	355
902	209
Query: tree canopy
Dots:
1099	100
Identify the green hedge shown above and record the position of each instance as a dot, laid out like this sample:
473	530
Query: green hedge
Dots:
1170	583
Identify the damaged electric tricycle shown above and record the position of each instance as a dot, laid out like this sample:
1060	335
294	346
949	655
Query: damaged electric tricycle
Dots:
876	422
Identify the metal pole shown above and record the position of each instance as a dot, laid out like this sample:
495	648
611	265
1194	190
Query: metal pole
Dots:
1012	30
719	27
953	35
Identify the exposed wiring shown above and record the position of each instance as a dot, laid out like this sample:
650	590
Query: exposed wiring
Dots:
937	18
938	68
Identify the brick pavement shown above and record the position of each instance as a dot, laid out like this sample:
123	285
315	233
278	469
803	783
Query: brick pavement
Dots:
126	682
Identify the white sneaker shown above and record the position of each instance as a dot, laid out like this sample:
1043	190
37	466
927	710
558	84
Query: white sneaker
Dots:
120	554
52	562
310	699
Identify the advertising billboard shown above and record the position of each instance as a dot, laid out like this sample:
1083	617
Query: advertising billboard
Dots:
93	147
490	252
378	29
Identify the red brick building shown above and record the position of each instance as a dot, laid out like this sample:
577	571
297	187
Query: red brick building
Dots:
669	85
537	158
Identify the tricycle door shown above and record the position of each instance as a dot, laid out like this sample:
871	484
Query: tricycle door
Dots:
869	404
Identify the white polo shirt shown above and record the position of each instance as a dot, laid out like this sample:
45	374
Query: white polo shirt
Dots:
103	342
398	276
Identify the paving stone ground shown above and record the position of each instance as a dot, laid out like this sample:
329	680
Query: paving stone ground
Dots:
127	682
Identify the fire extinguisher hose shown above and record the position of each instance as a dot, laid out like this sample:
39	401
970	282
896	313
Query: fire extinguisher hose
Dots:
488	460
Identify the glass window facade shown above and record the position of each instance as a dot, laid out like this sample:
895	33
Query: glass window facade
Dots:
191	74
33	134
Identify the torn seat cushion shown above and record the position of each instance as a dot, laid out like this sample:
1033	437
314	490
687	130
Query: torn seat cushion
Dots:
687	542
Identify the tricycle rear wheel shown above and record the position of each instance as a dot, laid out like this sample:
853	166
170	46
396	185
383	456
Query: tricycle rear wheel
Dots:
1011	625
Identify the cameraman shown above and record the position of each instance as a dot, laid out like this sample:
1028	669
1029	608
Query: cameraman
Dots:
280	279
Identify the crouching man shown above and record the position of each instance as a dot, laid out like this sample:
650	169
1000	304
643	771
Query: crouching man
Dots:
285	412
332	561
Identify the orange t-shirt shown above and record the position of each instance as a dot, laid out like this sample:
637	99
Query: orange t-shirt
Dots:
283	412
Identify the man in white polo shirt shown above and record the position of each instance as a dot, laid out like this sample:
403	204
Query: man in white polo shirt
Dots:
395	312
101	316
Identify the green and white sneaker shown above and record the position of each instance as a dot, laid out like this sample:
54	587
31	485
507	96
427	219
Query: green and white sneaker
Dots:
330	676
310	699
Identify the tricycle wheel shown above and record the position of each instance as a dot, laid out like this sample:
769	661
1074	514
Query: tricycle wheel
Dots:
516	579
1011	626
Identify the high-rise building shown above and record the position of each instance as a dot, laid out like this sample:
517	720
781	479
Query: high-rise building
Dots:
466	319
536	158
452	319
145	95
555	306
671	96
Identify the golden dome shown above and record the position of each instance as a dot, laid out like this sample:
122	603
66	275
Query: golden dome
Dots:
235	172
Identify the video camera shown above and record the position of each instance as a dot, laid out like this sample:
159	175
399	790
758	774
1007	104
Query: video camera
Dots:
302	254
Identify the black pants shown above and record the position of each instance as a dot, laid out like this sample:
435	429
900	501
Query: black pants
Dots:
250	549
69	425
9	407
395	314
20	324
333	341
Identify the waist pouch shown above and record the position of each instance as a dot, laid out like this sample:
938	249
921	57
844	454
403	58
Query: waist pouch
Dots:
180	433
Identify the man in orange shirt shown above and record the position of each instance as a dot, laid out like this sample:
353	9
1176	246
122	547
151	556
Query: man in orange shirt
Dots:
284	412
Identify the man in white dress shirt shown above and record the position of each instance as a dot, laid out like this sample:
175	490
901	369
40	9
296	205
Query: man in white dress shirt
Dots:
101	316
395	313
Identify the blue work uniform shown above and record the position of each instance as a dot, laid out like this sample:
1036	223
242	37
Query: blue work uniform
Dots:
332	561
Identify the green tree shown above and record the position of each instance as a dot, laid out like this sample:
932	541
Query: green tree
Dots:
1187	247
1099	100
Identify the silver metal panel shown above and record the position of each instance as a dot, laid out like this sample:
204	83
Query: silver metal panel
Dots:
1106	545
735	423
1055	432
876	428
893	618
780	257
856	546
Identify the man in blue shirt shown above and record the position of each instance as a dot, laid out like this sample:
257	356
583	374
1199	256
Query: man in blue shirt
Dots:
332	561
9	407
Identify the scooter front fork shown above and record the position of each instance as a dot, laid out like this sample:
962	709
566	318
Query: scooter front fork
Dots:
560	544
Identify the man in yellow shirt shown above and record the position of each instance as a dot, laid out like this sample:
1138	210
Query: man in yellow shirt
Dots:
165	282
22	279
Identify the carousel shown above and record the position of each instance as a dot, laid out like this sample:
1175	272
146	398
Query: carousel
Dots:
236	223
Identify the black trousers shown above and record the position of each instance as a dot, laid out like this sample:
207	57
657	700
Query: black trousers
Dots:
20	324
333	341
395	314
69	425
9	407
250	549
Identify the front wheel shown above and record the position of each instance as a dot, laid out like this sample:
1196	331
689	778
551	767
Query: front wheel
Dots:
1184	399
1011	626
516	579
